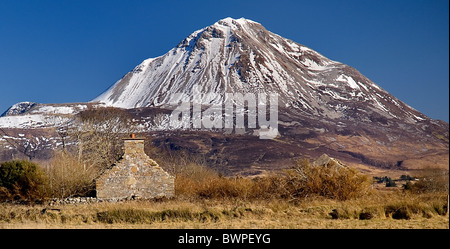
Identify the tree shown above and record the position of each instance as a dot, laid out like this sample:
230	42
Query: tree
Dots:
98	135
390	182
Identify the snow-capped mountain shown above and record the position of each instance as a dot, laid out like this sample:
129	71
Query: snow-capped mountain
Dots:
30	115
240	55
324	106
19	108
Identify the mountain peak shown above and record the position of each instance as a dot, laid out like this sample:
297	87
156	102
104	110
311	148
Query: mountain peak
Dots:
229	21
241	56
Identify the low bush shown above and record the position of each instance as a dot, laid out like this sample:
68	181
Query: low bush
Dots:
62	176
20	179
356	212
430	180
331	181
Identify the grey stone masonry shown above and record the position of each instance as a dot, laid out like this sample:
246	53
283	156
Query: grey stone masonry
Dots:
135	175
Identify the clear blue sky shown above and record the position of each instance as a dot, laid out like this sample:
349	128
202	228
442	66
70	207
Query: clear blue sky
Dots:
71	51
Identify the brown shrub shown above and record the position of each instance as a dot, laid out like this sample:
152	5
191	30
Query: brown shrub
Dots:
201	182
21	179
69	177
430	180
331	181
198	181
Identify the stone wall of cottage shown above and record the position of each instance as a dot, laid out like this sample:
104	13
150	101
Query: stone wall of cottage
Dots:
135	176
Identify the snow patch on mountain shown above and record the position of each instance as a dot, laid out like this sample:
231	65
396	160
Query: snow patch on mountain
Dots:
349	80
40	115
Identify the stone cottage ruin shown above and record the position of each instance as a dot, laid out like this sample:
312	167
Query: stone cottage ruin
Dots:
135	175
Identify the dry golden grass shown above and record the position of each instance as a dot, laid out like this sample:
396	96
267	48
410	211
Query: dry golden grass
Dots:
426	211
303	197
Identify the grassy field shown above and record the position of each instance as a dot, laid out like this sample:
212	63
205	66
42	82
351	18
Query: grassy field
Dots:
381	210
304	197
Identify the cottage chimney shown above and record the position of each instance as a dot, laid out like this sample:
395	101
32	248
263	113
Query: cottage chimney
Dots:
133	145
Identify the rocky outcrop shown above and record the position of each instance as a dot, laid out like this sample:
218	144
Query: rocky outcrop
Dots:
325	160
